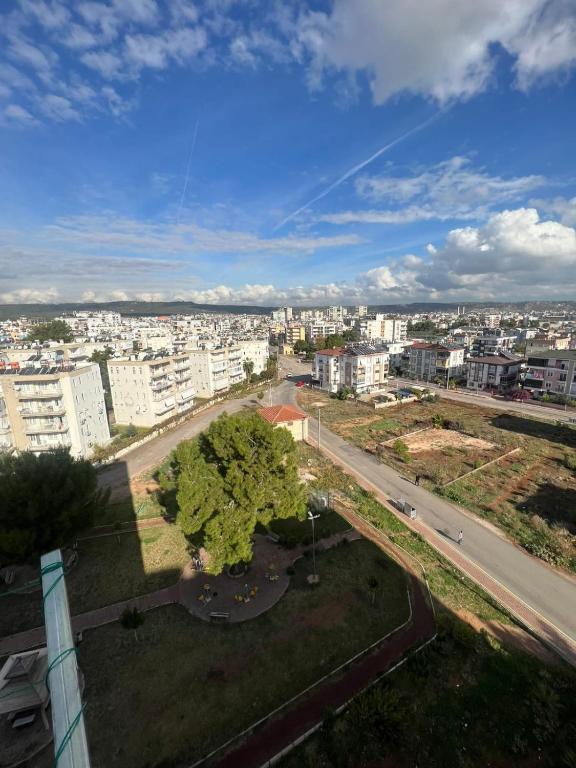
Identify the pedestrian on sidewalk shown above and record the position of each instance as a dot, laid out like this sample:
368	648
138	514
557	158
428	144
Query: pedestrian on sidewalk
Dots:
417	481
460	537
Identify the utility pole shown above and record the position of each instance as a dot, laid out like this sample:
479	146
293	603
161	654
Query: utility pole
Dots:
318	430
270	393
314	578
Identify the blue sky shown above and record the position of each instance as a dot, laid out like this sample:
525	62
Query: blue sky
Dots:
352	151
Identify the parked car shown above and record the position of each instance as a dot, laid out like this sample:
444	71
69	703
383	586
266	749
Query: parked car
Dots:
300	383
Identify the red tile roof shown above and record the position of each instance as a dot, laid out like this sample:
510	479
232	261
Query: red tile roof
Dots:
277	414
335	352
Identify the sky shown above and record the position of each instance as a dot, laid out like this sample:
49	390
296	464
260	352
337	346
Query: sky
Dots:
263	152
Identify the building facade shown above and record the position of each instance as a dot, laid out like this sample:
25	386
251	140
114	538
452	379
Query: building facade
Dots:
361	368
434	362
551	372
380	328
288	417
148	388
255	351
493	372
44	408
215	370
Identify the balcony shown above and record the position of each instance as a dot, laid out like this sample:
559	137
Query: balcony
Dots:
160	385
158	373
40	393
50	446
28	413
186	395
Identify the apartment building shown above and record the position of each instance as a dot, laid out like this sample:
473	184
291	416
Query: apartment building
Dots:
47	407
361	310
493	372
322	329
216	370
551	371
255	351
294	333
430	362
380	328
362	368
541	343
148	388
492	344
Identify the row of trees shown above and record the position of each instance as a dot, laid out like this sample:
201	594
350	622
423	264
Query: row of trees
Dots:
326	342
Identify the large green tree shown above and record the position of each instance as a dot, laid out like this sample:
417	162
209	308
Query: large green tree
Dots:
44	502
54	330
101	356
238	473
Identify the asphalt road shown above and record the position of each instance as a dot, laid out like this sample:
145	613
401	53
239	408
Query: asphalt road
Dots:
547	591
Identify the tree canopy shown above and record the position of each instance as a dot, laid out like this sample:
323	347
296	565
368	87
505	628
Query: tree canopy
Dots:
45	501
239	472
54	330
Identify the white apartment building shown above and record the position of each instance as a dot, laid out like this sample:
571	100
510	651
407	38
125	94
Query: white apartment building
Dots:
430	362
382	328
362	368
492	344
497	372
322	329
47	407
216	370
255	351
361	310
336	314
148	388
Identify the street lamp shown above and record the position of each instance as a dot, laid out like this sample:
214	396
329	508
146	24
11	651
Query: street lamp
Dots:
314	578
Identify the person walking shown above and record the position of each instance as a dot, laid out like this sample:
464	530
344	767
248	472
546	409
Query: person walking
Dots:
417	481
460	537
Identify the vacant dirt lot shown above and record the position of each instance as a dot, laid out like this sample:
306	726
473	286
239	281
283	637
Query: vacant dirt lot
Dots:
437	439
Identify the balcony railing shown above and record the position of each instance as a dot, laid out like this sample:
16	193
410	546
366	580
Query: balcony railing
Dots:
28	413
39	393
46	429
160	385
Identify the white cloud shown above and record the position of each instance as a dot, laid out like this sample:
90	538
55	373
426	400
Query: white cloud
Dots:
562	208
452	189
156	51
79	37
51	15
107	64
439	48
30	296
32	55
58	108
18	114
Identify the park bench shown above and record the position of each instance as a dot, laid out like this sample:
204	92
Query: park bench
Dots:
273	537
219	616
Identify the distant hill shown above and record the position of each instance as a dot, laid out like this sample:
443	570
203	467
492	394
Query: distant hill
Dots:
133	308
147	309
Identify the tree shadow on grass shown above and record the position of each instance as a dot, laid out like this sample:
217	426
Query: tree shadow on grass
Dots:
552	503
554	433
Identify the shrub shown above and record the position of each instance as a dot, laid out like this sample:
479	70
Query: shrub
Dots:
570	461
131	618
401	450
438	421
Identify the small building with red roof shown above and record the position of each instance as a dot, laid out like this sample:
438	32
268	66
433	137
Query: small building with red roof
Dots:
289	417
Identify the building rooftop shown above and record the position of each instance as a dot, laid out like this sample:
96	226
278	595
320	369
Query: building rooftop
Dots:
554	354
278	414
335	352
495	360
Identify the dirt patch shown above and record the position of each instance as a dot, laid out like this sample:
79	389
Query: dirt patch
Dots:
143	487
437	439
510	636
329	615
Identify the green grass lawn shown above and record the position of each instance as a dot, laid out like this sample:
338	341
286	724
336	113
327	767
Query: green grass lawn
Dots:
190	685
293	531
130	510
109	569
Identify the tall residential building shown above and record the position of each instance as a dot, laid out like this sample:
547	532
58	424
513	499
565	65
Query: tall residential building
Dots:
431	362
43	408
318	329
294	333
492	343
498	372
255	351
216	370
380	328
361	367
361	310
148	388
552	372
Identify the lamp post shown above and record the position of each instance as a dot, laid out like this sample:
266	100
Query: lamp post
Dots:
319	430
314	578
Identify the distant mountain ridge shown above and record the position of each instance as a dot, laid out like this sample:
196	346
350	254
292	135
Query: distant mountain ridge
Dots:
147	309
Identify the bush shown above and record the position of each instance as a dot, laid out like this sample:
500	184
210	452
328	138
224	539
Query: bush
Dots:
570	461
131	618
438	421
401	450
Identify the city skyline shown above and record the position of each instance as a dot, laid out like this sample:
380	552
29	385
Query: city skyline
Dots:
240	153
